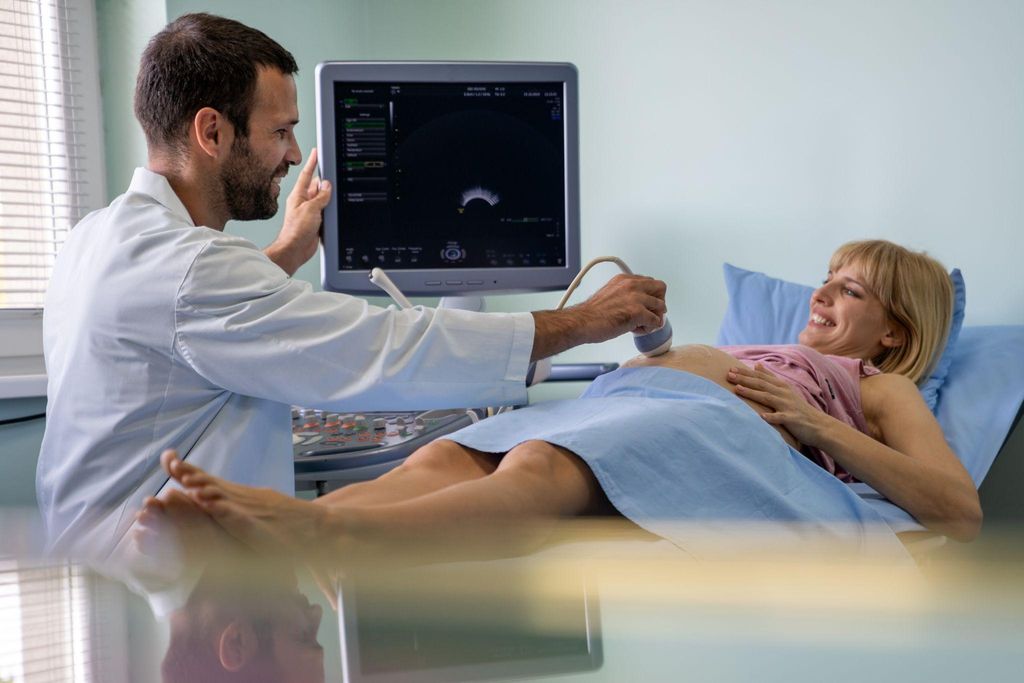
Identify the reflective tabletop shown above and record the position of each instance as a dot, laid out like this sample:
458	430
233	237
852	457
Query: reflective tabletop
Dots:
599	601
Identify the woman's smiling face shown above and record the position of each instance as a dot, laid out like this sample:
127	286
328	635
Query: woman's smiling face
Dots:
847	319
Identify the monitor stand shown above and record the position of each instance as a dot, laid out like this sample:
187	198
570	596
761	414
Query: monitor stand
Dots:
463	303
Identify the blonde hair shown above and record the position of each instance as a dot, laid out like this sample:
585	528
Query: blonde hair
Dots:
917	294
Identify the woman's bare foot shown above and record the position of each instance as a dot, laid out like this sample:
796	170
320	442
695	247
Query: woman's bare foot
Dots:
262	519
175	522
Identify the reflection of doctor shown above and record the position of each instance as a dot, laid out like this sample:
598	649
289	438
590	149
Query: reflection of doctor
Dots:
161	331
245	620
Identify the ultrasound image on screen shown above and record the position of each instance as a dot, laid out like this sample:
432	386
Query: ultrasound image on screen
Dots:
450	175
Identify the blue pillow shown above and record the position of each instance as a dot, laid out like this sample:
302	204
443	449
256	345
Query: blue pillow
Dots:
766	310
762	309
982	394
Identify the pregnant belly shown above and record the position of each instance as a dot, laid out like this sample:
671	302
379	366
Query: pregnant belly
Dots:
709	363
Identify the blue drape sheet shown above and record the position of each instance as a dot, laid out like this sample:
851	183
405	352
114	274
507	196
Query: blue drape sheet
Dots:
685	459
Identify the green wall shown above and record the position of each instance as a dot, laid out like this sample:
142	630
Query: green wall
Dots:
19	448
125	27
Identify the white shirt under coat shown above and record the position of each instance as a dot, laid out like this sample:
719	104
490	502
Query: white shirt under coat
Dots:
161	334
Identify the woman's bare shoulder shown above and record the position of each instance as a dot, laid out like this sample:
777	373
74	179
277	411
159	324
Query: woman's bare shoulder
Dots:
879	393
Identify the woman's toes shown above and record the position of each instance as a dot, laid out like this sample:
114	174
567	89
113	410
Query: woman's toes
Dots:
194	481
167	459
209	493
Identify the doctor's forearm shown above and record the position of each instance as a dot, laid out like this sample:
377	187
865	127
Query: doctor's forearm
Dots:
286	258
557	331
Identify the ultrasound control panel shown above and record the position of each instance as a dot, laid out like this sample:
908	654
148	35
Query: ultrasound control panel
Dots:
334	449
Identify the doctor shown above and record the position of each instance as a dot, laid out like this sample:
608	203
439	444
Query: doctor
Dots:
161	331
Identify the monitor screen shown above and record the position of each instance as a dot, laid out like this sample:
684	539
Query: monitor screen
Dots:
455	178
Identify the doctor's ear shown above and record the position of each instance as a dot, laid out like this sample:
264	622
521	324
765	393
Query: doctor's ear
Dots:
238	645
212	132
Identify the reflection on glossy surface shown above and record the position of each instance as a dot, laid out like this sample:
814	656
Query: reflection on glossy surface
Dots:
599	602
245	622
468	621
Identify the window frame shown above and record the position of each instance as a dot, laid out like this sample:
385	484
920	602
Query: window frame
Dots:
21	329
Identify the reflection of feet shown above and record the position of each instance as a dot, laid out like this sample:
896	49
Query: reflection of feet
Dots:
261	518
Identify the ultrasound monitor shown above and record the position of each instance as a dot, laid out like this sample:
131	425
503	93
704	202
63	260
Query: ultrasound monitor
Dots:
456	178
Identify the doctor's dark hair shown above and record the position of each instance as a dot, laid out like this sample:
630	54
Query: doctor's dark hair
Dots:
917	294
201	60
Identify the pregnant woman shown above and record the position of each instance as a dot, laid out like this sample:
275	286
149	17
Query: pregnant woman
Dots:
698	434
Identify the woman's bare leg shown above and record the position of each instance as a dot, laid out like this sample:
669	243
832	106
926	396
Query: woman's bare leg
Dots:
534	485
534	479
508	512
435	466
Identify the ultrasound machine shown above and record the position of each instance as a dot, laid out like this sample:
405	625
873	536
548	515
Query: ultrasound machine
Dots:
458	180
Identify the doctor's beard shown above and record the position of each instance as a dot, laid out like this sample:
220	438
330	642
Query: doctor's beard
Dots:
249	188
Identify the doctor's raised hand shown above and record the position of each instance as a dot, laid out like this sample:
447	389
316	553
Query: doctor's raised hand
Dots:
298	239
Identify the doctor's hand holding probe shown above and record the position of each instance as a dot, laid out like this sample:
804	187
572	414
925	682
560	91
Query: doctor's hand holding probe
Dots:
650	340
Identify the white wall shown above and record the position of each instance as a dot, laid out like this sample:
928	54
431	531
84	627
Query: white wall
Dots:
766	133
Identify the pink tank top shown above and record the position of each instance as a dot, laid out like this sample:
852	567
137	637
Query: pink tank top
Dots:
830	383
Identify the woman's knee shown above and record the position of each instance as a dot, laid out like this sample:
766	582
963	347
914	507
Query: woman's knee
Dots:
560	471
539	458
444	455
549	463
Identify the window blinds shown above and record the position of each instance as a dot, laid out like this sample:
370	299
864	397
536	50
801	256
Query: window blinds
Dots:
45	623
44	186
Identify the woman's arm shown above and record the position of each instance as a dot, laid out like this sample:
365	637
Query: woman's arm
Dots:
910	464
913	467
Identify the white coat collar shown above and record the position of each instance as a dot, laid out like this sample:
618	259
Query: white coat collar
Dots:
156	186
